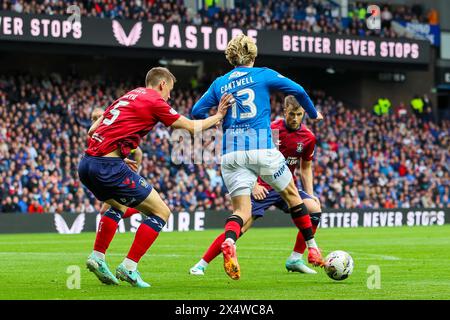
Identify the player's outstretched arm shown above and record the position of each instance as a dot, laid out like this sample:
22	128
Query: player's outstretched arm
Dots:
201	108
198	125
280	83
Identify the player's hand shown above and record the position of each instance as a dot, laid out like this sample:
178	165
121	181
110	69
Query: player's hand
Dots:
132	164
225	102
319	117
316	199
259	192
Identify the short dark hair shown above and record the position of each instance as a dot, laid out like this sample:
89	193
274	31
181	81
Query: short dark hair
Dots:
155	75
291	101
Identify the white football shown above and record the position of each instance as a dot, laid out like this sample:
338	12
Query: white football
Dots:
338	265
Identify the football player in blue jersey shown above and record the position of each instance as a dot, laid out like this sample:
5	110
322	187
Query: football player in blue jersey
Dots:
247	147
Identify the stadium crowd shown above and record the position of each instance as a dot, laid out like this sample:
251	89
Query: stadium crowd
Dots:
299	15
362	160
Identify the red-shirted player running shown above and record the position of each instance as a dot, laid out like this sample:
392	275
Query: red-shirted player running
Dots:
134	165
297	143
104	172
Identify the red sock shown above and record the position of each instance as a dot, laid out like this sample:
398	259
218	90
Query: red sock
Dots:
145	236
106	230
232	227
130	212
300	244
214	249
303	222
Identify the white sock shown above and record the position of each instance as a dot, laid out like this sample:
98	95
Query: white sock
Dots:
296	255
311	243
99	255
230	240
202	263
129	264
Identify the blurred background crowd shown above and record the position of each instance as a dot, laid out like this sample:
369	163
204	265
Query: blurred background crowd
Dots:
316	16
399	158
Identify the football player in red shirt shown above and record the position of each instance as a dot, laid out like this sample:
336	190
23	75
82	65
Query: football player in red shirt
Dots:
105	173
297	143
133	164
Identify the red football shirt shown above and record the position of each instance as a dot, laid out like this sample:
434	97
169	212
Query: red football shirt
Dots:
294	145
129	119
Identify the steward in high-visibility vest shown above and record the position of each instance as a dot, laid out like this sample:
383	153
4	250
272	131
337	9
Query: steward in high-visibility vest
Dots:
417	105
382	107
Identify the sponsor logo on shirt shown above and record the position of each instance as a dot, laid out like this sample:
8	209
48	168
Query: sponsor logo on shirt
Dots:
237	74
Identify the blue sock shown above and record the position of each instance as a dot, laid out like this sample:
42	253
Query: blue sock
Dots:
155	222
114	214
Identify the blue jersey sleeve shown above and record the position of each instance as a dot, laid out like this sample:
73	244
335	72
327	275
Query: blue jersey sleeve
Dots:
278	82
201	108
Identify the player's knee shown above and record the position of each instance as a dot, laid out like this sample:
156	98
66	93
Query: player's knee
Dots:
291	196
166	212
315	218
298	211
236	218
312	205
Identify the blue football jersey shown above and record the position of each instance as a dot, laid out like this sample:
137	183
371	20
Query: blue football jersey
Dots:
246	125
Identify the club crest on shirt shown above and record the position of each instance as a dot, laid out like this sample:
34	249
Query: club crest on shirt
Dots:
143	183
299	147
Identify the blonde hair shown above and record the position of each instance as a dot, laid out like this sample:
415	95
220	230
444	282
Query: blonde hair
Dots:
241	51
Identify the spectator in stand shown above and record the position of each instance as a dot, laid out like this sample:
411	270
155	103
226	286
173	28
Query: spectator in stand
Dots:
361	159
35	207
298	15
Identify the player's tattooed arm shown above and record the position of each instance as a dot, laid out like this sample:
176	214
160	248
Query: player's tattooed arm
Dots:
199	125
95	126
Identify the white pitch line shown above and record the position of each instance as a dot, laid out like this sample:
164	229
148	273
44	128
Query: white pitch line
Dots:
379	256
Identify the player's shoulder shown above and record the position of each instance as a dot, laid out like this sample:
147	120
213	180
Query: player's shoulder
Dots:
305	130
152	96
277	124
269	71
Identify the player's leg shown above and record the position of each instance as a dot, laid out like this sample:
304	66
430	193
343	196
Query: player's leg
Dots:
295	261
157	214
213	251
241	214
239	180
105	233
276	173
301	218
87	171
107	228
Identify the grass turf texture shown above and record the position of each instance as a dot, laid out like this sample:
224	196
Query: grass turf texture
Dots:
414	264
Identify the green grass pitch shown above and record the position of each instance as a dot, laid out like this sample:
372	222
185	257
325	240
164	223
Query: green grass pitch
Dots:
414	263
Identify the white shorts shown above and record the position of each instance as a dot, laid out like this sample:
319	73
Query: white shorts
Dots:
240	170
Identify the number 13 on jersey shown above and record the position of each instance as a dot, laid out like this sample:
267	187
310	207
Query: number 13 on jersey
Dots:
247	102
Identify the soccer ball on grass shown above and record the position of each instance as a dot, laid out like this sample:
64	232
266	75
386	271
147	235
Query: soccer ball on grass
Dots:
338	265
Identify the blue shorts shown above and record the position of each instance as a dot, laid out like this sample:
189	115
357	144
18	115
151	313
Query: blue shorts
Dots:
110	178
272	199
